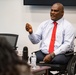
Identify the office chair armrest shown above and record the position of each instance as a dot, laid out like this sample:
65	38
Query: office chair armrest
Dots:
34	51
70	53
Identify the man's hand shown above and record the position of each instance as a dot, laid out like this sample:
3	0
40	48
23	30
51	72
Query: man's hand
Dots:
48	57
28	28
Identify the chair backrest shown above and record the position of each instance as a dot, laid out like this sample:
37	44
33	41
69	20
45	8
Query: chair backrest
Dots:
11	38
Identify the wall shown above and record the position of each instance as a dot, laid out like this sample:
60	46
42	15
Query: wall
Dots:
14	15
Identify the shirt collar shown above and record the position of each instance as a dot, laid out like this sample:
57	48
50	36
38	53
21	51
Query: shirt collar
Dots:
58	21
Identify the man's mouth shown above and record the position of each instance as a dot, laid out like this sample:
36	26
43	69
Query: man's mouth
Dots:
52	15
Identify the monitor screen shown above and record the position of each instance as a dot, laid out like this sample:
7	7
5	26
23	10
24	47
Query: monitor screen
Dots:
49	2
11	38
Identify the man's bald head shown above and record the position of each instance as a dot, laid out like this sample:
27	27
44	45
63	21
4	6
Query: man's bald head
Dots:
57	11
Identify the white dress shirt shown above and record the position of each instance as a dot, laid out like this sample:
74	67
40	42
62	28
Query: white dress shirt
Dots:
65	35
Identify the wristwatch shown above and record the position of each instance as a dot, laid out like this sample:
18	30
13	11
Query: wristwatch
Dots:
52	55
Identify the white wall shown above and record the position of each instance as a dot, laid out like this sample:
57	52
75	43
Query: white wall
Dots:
14	15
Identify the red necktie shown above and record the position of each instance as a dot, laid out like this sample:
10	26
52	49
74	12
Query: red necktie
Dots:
51	46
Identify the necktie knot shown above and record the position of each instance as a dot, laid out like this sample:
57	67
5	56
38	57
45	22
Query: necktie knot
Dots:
55	23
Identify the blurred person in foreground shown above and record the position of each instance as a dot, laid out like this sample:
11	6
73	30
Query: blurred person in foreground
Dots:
64	41
10	63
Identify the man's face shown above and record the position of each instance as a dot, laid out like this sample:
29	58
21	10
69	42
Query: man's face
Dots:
56	12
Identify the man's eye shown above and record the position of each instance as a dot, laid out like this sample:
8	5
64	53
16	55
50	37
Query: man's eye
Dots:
51	10
56	10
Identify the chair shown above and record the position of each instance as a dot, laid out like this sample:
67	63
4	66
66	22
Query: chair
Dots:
11	38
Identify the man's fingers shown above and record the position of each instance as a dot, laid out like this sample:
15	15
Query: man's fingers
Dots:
47	58
28	26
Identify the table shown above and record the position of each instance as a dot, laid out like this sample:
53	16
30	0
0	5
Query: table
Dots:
40	70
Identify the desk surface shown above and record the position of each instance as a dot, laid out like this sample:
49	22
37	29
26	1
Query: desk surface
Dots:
40	68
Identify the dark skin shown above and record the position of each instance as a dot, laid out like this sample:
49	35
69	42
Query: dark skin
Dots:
28	28
56	13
